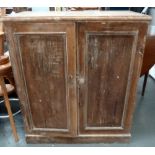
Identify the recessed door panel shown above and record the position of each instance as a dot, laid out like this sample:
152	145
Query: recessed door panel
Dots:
44	66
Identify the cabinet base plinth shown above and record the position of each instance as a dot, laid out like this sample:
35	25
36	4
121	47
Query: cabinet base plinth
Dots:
79	139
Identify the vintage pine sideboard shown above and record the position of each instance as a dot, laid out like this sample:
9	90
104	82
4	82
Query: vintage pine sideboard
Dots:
76	73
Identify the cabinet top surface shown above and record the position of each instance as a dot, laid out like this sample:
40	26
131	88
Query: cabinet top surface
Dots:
77	15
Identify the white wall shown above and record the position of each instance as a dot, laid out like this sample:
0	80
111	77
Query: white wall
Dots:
152	72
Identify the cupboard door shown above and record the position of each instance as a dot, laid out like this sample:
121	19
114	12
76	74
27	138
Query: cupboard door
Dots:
46	60
106	55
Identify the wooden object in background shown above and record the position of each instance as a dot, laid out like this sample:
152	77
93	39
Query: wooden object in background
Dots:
5	89
148	59
20	9
82	8
76	73
2	13
1	43
149	55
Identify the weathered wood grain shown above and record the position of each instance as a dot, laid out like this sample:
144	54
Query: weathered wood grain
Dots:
76	73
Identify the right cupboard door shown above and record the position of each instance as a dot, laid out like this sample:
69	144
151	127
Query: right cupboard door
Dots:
108	69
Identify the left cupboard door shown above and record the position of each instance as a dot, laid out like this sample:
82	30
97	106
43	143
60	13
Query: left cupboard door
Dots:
44	65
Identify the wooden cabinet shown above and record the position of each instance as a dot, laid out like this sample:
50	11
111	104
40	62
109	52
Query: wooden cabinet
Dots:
76	73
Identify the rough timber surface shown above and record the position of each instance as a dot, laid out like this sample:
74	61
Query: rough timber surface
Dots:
78	15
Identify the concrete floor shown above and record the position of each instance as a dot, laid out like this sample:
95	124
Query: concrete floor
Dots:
143	130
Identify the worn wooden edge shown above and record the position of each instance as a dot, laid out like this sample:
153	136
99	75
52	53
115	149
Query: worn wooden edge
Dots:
78	16
36	139
47	19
